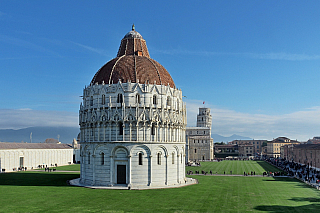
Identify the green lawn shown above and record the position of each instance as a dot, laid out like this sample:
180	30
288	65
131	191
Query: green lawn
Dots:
49	192
237	167
72	167
42	192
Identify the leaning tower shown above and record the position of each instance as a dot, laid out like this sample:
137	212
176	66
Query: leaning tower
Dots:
204	118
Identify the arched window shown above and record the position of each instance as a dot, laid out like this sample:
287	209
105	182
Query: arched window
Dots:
172	157
195	150
120	128
140	158
159	158
138	98
103	100
102	158
153	129
168	101
154	99
119	99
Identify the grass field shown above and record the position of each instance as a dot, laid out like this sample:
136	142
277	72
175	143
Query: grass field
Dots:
237	167
72	167
49	192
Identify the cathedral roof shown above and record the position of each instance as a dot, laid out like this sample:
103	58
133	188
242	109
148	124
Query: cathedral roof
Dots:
133	63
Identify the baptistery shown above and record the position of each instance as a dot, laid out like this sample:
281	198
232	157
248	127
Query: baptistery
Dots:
132	122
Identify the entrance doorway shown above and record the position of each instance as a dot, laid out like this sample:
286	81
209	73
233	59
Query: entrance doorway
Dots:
21	161
121	174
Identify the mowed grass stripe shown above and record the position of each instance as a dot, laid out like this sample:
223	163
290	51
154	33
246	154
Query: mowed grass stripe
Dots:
256	168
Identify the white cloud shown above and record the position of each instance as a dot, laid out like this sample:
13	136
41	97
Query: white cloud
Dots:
26	44
285	56
92	49
300	125
23	118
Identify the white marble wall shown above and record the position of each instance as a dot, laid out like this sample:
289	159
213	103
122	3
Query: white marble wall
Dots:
123	130
101	116
150	173
33	157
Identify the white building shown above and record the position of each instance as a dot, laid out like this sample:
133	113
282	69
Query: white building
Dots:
199	141
132	122
76	150
30	155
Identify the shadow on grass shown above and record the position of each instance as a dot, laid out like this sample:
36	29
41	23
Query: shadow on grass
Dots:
298	183
303	199
36	179
313	207
276	208
285	179
268	167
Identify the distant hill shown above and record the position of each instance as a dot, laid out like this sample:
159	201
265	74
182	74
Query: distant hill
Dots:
219	138
39	134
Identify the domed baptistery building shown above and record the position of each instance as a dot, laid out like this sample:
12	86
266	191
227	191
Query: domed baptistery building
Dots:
132	123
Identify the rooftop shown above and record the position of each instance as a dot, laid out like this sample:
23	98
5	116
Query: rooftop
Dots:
133	64
9	145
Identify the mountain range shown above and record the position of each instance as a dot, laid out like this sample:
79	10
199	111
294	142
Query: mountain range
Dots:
219	138
67	134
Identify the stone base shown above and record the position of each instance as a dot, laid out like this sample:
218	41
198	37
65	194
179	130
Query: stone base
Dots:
189	181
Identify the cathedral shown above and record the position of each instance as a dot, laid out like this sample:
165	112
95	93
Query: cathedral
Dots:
132	123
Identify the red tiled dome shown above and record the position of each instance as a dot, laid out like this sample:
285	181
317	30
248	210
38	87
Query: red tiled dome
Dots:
133	63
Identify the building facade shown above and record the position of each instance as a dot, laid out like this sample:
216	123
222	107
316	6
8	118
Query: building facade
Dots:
308	154
226	150
199	141
132	122
246	150
257	145
31	155
274	146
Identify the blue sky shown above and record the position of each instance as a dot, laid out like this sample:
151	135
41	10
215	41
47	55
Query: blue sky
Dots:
254	63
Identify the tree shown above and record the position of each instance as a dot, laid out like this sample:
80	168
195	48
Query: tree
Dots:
51	140
219	143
